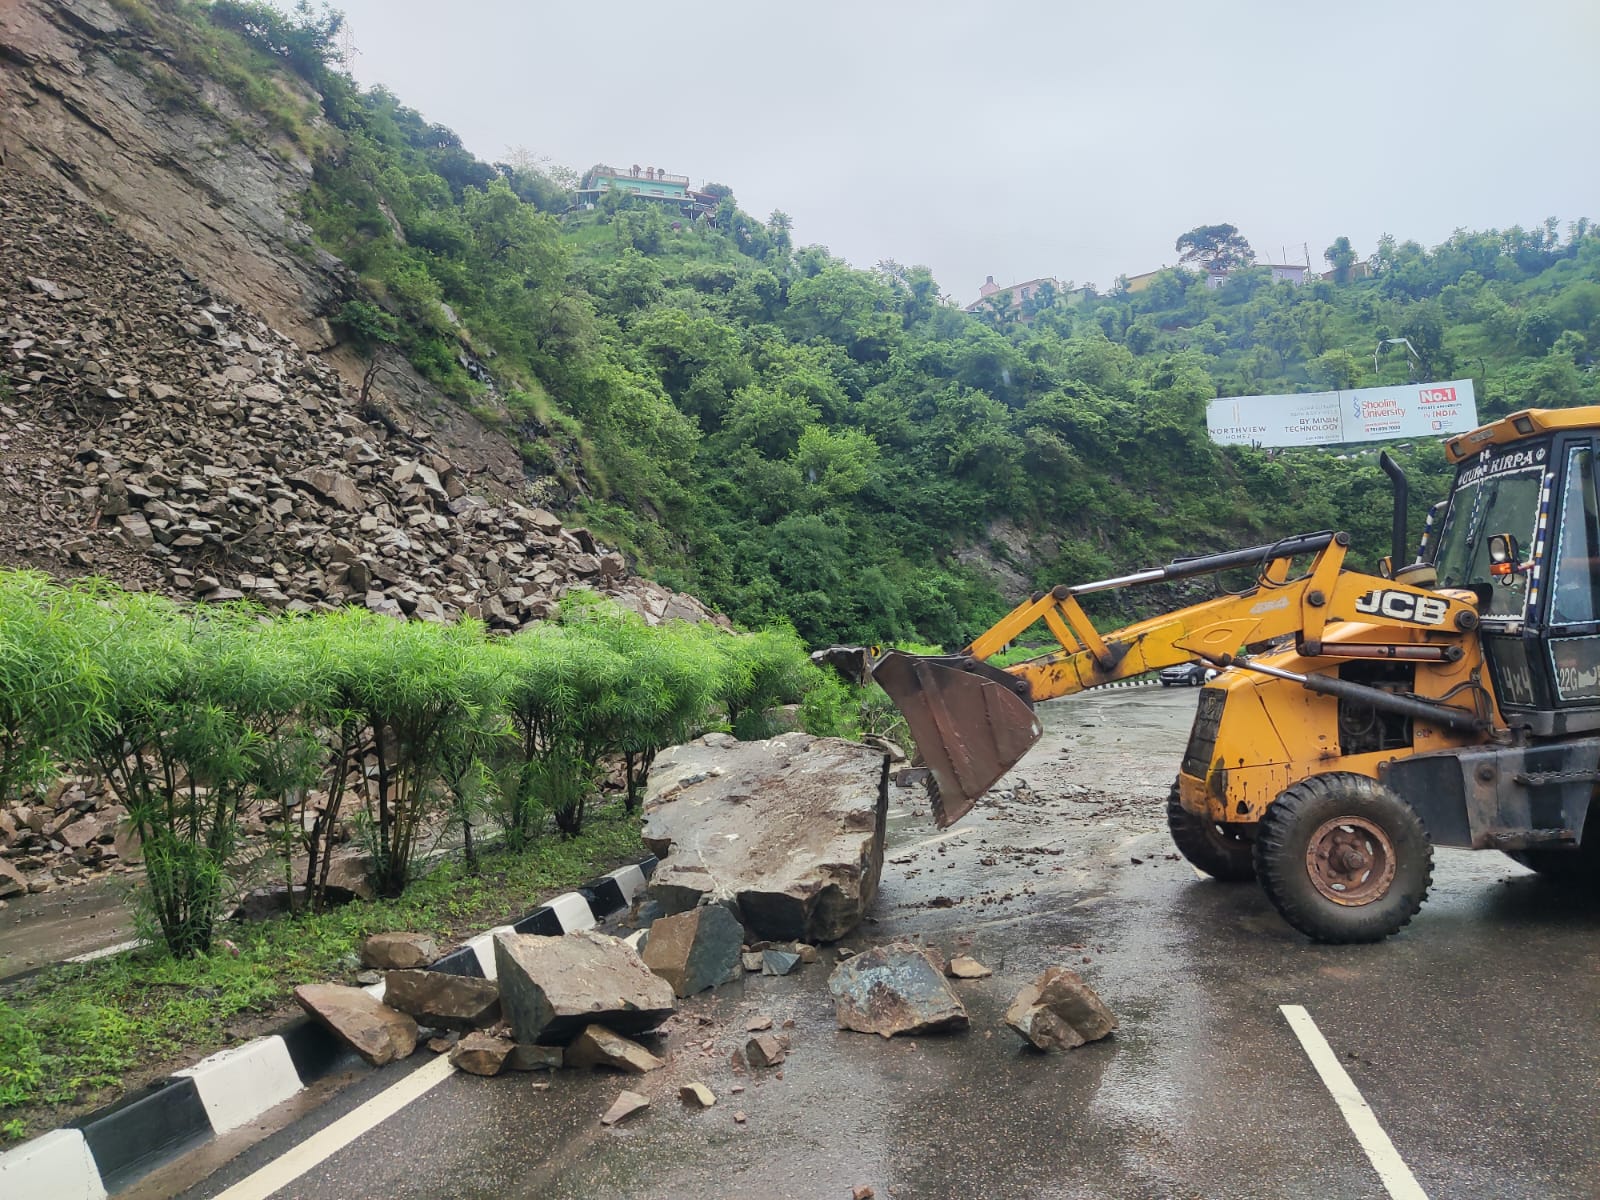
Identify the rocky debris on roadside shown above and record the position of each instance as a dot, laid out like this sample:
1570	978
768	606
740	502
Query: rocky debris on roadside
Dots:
964	966
373	1030
398	951
624	1106
481	1053
789	831
894	989
1059	1011
552	987
172	441
443	1042
70	833
598	1046
441	1000
695	950
765	1050
696	1095
862	1193
751	961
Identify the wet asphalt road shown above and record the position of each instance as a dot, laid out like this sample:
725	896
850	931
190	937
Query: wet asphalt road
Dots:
1472	1034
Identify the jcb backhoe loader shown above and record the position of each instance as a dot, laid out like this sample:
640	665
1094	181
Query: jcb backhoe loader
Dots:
1359	720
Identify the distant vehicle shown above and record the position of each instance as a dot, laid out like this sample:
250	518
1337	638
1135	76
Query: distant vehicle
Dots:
1190	674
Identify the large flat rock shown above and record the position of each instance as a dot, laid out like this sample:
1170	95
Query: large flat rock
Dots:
787	831
373	1030
552	988
894	989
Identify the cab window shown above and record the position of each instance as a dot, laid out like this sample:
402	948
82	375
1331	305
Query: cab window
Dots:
1575	569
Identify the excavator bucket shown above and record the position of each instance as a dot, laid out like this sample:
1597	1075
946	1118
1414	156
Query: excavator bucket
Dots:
972	723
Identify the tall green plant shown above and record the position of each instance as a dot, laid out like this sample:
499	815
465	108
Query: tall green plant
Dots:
49	681
562	691
754	673
664	693
411	689
175	733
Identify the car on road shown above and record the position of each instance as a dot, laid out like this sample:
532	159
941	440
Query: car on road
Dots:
1190	674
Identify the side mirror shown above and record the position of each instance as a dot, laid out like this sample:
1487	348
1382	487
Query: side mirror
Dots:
1386	567
1505	559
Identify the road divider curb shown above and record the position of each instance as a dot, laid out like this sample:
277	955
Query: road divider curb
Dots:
108	1150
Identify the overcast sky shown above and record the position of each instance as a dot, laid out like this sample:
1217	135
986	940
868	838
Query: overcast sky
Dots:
1074	138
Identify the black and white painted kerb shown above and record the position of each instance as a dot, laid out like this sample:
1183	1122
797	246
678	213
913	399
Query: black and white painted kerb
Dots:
110	1149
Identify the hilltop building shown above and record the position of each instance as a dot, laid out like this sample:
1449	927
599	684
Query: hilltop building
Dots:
648	183
1020	292
1295	273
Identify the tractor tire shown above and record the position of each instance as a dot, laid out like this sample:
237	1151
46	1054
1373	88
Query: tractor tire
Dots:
1224	856
1343	858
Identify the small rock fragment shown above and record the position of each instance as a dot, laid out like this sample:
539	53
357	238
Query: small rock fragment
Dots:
862	1193
598	1046
752	961
624	1106
444	1042
1059	1011
739	1117
696	1095
778	962
765	1051
758	1024
964	966
398	951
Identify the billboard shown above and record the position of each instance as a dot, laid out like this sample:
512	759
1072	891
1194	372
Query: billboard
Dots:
1411	410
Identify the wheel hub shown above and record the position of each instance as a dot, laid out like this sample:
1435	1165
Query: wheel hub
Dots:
1351	860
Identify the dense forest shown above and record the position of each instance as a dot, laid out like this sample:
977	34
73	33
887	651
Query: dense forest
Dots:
796	439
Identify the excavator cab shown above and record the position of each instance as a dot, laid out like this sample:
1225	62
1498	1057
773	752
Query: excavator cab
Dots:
1452	700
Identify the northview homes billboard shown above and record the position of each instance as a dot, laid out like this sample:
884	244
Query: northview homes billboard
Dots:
1413	410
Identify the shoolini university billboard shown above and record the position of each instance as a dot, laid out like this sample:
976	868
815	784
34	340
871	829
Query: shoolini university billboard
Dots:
1414	410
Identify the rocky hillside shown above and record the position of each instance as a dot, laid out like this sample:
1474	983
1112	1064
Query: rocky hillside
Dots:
161	435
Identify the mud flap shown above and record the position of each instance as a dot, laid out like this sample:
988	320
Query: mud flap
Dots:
971	723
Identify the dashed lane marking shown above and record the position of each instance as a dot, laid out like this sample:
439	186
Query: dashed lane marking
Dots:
1358	1114
325	1143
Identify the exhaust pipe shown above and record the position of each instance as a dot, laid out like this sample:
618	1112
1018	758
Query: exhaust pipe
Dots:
1402	493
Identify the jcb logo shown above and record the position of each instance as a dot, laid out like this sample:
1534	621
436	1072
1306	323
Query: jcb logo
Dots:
1403	606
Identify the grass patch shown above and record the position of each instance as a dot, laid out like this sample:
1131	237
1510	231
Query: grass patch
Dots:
73	1037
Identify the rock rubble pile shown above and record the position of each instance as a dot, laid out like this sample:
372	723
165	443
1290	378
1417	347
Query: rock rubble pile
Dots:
157	436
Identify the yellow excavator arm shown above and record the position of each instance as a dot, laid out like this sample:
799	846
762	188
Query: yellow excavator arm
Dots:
972	722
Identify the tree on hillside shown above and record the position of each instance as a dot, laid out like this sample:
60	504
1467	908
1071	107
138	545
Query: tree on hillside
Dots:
1217	247
1341	258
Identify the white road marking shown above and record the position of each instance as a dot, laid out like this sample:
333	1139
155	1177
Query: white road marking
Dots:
322	1145
1358	1114
108	951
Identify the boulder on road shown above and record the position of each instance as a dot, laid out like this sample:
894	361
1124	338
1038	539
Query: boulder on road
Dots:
1059	1011
398	951
551	988
372	1029
789	831
695	950
481	1054
441	1000
894	989
598	1046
